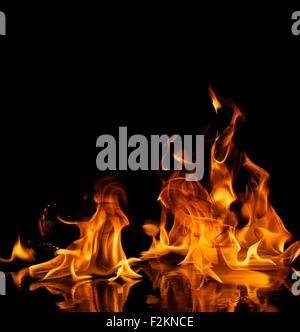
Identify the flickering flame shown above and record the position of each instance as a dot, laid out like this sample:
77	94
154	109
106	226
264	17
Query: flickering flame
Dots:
20	252
98	251
227	242
206	231
216	104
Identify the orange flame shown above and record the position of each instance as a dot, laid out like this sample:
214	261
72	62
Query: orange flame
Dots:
20	252
98	251
216	104
240	245
207	231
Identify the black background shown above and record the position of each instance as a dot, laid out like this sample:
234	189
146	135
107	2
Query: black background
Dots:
71	73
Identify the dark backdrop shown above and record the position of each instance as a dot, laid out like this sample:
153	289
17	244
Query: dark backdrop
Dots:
70	73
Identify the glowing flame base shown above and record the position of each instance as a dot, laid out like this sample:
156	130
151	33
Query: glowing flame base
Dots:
206	230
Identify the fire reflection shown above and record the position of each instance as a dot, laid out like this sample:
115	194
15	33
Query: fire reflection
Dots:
184	289
87	295
174	289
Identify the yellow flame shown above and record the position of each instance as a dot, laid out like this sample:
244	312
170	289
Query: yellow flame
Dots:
242	246
206	231
98	251
20	252
216	104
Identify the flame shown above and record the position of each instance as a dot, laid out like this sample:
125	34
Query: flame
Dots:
98	251
20	252
207	231
216	104
229	244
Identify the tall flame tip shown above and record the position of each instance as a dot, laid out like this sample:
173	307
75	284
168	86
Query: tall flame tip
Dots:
215	101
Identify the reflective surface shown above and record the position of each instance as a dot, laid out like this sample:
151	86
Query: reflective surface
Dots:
166	287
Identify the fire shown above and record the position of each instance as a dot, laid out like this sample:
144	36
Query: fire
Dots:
216	104
207	231
20	252
98	251
212	244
